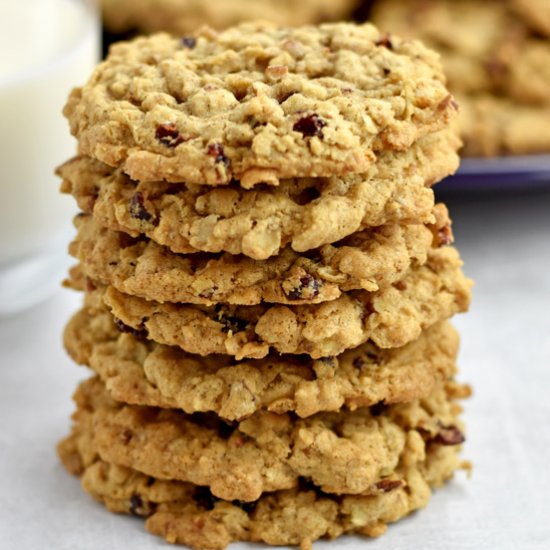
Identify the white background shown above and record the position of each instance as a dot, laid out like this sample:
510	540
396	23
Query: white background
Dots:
505	242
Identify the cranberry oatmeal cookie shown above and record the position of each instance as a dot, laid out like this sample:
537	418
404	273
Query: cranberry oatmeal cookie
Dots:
390	317
368	260
496	55
258	103
341	453
142	372
188	514
304	213
267	281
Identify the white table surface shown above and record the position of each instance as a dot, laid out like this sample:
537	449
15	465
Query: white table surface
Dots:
505	355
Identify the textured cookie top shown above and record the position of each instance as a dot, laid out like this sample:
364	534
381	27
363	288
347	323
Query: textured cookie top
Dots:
184	16
258	103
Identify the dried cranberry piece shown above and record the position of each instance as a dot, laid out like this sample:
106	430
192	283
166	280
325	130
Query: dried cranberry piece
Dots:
139	334
385	41
189	42
137	208
169	135
229	322
307	289
387	485
248	507
449	100
216	150
445	236
401	285
204	498
309	126
379	409
136	505
449	435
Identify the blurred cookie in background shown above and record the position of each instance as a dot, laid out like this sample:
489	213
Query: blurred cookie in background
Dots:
185	16
496	57
493	126
477	40
536	13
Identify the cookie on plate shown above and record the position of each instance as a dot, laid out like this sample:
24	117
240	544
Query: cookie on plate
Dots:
528	80
493	126
478	41
536	13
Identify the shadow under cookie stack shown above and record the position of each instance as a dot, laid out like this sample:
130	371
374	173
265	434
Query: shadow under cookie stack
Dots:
267	283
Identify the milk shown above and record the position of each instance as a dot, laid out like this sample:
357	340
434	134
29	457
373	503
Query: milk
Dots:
46	48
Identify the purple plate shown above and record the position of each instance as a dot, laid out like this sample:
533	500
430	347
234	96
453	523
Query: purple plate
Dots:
503	173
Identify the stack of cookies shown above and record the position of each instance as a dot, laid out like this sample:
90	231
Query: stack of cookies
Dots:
267	283
496	55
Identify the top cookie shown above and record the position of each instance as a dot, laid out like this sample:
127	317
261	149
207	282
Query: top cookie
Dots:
184	16
258	103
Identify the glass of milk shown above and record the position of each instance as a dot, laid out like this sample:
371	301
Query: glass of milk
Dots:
46	48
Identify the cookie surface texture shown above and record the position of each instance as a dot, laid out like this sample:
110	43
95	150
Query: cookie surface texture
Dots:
258	104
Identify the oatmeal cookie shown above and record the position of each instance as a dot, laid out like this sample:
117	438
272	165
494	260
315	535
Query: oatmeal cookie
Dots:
303	213
390	317
145	373
529	78
341	453
369	260
493	126
186	514
536	13
258	103
478	41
